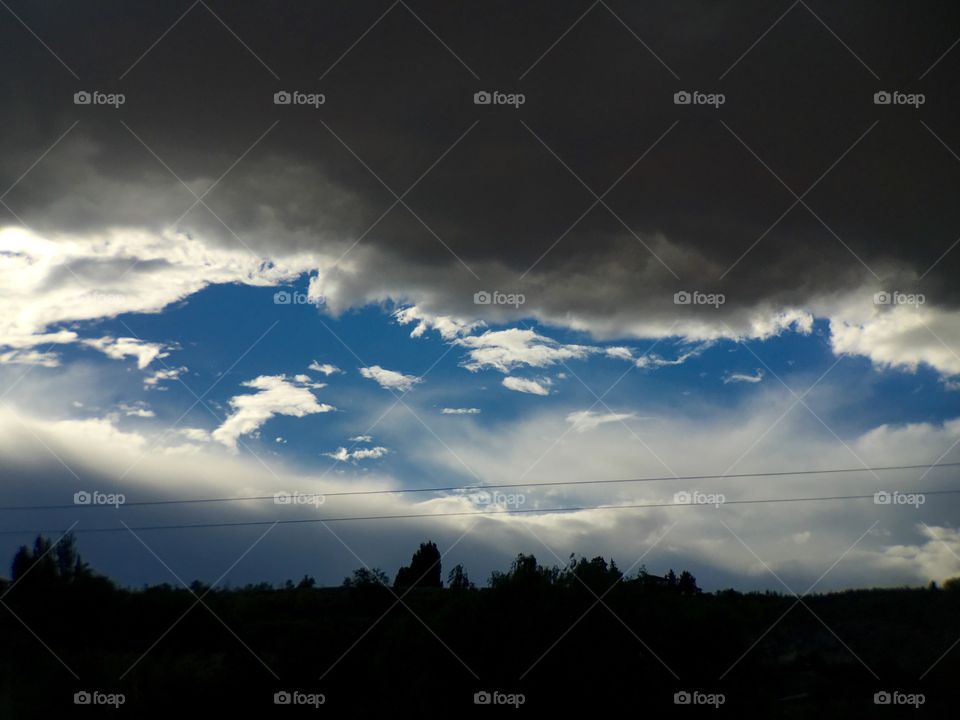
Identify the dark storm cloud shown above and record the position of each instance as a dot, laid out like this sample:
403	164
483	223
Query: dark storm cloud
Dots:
511	188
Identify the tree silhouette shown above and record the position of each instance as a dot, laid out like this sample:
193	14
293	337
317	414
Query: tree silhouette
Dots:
595	574
49	565
687	584
525	573
364	577
458	579
424	570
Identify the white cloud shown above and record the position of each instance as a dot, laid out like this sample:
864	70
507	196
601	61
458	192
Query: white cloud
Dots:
325	368
652	360
137	409
362	438
119	348
585	420
308	382
460	411
390	379
899	336
743	377
153	381
194	434
448	327
936	557
343	455
30	357
505	350
276	395
61	278
524	385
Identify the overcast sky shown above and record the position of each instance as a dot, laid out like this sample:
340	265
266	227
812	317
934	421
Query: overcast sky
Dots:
347	246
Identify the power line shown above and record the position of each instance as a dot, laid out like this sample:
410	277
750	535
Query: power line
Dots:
303	521
461	488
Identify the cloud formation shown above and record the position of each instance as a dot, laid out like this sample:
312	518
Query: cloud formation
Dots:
390	379
276	395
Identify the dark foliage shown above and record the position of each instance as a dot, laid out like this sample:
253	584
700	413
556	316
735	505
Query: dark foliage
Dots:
574	638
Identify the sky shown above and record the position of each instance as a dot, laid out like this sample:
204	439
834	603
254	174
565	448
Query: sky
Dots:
434	247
